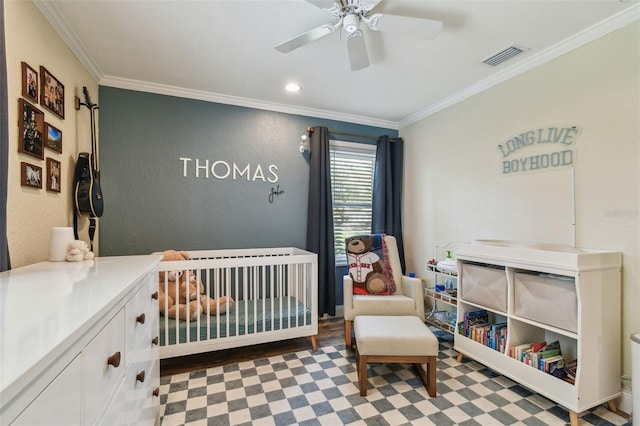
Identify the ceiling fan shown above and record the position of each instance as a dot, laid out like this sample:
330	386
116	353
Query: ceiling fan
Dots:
348	14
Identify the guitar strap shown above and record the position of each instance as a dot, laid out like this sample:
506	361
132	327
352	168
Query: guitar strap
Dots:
92	229
75	223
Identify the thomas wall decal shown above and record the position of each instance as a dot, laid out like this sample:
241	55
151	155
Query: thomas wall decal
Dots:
553	148
224	170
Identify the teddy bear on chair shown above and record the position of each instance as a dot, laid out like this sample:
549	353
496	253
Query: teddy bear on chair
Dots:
365	266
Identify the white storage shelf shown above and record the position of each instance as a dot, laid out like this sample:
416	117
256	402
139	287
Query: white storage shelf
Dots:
550	293
447	297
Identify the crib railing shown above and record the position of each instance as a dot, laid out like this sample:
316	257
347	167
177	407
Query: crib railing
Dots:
242	297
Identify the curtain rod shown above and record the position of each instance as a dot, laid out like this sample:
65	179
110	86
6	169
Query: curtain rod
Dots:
355	135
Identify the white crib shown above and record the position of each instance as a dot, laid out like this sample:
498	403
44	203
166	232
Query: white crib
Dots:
275	292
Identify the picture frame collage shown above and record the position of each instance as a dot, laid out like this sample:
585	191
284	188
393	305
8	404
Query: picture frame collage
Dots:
36	135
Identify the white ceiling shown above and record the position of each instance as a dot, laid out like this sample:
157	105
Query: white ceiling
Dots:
222	50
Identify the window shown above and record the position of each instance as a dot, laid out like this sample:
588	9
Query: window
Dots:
352	168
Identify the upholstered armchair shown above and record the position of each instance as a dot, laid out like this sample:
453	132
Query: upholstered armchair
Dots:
408	300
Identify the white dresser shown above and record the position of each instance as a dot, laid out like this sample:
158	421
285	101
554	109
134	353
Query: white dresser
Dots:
79	343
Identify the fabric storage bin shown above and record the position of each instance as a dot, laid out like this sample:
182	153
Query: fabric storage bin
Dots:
549	299
486	286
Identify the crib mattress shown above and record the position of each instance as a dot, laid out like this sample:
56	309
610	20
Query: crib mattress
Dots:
244	317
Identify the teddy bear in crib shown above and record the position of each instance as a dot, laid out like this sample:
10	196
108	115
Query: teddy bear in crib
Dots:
78	251
191	297
177	299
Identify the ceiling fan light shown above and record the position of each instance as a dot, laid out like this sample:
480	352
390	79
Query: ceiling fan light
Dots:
351	23
293	87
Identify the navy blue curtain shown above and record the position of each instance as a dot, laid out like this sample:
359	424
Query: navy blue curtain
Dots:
387	191
320	219
5	263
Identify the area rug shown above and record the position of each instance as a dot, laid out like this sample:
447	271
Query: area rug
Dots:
320	388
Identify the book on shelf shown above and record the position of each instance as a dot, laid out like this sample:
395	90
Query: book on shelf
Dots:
537	346
570	368
549	350
516	351
555	345
472	318
497	330
476	326
555	366
534	355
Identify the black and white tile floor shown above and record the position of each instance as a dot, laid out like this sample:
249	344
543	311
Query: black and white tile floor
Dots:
320	388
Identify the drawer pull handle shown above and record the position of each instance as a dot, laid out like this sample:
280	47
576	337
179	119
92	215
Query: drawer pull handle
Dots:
140	318
156	392
154	296
114	360
140	377
155	340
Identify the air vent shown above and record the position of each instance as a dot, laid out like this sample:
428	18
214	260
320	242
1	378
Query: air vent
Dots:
504	55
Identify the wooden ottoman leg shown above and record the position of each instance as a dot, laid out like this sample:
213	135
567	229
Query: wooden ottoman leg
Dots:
431	375
362	374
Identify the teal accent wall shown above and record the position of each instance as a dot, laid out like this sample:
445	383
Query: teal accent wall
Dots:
150	205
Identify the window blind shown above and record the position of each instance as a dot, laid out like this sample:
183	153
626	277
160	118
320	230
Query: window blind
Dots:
352	169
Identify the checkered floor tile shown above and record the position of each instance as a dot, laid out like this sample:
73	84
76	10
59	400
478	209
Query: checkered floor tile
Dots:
320	388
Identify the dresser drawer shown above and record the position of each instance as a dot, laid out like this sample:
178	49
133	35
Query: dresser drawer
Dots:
150	397
103	365
139	314
59	403
136	393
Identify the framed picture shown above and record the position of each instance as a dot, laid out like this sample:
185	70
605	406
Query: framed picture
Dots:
31	132
30	175
53	138
53	175
51	92
29	82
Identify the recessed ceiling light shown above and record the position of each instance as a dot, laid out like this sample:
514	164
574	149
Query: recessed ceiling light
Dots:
293	87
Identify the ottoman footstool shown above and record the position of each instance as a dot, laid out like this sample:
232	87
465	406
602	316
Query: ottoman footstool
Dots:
397	340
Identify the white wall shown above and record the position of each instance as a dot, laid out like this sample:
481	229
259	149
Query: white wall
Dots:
454	189
31	213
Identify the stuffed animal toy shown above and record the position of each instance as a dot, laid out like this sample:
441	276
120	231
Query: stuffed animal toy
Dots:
208	304
78	251
191	296
365	267
169	306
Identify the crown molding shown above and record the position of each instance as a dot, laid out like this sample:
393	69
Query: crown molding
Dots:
606	26
602	28
181	92
57	21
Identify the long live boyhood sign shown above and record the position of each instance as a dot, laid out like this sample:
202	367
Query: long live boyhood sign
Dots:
223	170
554	147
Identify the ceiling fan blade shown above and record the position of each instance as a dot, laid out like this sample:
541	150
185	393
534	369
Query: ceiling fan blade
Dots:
322	4
370	4
416	27
305	38
357	51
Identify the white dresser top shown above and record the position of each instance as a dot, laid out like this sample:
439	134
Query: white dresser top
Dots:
47	306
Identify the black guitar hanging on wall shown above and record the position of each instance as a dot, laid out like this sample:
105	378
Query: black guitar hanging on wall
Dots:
86	180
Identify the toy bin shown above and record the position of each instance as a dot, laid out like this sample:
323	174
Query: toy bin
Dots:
485	285
548	299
